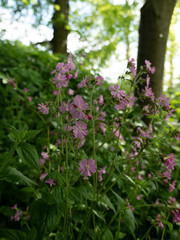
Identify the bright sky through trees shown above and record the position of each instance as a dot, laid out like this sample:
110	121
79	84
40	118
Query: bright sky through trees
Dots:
22	30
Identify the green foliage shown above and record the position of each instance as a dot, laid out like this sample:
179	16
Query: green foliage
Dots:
63	205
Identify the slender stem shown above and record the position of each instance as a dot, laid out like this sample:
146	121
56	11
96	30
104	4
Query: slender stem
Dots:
48	146
147	232
7	160
164	229
66	208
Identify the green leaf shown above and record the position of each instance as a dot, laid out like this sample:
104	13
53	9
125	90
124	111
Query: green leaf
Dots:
28	154
6	159
12	175
86	191
45	218
14	234
130	220
31	134
170	226
107	201
107	235
14	134
117	199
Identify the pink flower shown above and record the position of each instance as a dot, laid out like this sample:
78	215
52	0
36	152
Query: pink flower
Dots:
103	171
170	162
18	215
41	161
122	105
99	80
148	91
12	82
172	200
79	105
14	206
26	90
172	186
164	101
55	92
87	167
30	99
75	75
115	92
71	92
44	155
149	68
130	206
43	108
177	137
160	224
65	106
132	67
140	177
83	83
176	218
138	197
43	175
50	182
167	174
80	129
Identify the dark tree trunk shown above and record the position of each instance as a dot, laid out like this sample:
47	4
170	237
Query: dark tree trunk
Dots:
153	33
60	21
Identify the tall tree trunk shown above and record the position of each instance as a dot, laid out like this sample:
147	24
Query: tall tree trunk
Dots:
60	22
153	33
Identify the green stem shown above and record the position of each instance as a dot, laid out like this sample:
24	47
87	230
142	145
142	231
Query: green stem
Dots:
164	229
7	160
147	232
67	186
48	146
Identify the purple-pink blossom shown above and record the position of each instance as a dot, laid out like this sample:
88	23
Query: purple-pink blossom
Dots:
164	101
43	175
78	107
167	174
103	171
65	106
115	92
176	218
80	129
87	167
45	155
43	108
148	91
83	83
50	181
169	163
132	67
172	186
99	80
149	68
71	92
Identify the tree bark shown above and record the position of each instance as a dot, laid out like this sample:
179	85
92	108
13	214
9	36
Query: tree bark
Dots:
60	22
153	34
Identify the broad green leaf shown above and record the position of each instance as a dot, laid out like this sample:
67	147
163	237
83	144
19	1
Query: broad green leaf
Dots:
28	154
6	159
86	191
45	218
31	134
130	220
14	134
117	199
107	235
12	175
14	234
107	201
